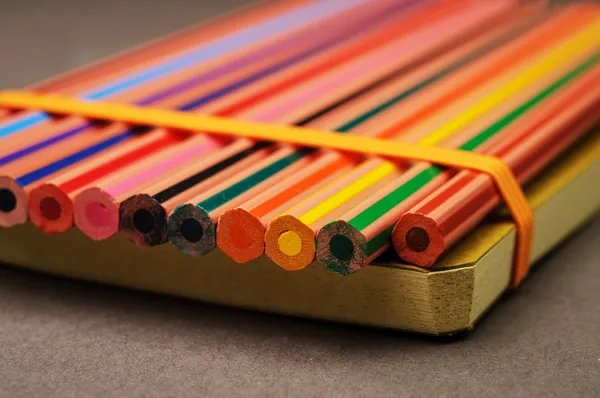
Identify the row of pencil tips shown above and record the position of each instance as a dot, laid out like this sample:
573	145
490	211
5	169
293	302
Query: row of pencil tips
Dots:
516	80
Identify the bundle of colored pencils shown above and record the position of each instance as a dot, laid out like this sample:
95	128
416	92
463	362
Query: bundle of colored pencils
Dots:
516	80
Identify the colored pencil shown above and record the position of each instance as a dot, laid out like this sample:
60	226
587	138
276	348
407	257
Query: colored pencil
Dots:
297	99
177	42
240	231
120	65
300	224
111	68
58	189
350	243
204	209
425	231
252	35
109	193
246	55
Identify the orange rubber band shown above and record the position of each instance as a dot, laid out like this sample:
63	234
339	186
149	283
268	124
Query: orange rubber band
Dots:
504	179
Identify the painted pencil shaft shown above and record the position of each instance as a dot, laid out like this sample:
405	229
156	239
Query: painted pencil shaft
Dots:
53	185
55	131
119	65
116	67
156	93
370	38
269	110
453	209
481	78
243	186
251	35
240	231
52	162
352	242
229	63
26	161
177	42
60	224
115	189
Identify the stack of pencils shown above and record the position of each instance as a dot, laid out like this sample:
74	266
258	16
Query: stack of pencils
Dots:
516	80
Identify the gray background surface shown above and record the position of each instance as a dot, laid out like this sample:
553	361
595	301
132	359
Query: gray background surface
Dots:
64	338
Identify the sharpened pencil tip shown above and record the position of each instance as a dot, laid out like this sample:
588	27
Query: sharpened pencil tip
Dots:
341	247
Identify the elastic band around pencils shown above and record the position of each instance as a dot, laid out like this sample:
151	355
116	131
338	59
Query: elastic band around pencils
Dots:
502	175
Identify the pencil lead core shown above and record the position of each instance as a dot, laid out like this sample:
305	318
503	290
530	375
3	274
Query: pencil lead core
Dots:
341	247
143	221
417	239
8	200
290	243
240	235
98	212
50	208
191	230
